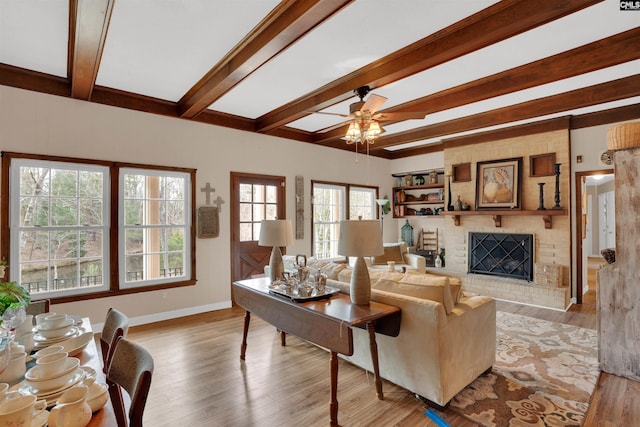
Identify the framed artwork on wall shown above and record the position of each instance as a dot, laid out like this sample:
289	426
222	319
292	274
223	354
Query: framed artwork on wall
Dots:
498	184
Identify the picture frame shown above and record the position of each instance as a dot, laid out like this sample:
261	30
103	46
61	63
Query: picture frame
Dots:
208	222
498	184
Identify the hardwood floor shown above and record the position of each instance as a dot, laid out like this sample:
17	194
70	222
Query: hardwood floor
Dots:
199	379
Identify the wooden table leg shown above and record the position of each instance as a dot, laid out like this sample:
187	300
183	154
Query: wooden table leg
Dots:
283	338
373	347
243	347
333	403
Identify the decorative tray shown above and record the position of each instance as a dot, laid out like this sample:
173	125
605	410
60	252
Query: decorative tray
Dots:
314	296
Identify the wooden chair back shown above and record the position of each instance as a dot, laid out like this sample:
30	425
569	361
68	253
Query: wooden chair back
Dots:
116	326
131	369
38	307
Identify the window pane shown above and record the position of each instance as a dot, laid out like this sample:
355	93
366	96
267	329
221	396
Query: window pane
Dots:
34	246
91	211
245	193
272	194
256	231
133	210
91	185
64	245
133	240
64	183
272	212
258	193
258	212
64	211
133	186
245	212
91	244
34	211
175	212
34	181
246	232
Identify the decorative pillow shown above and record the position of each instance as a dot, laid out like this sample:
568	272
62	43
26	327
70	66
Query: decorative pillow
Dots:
332	270
391	253
344	275
436	291
436	280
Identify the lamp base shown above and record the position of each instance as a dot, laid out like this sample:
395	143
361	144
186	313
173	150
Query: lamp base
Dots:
276	265
360	285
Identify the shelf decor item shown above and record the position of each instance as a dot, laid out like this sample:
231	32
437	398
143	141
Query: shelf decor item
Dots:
407	234
541	197
450	203
498	184
557	195
360	238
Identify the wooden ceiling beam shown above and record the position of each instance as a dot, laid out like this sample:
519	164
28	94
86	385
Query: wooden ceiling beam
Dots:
88	25
614	90
286	24
614	50
496	23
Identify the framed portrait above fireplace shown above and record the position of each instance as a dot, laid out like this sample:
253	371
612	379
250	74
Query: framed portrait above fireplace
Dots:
498	184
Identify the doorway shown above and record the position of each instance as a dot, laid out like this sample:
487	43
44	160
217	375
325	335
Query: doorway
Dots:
253	198
595	199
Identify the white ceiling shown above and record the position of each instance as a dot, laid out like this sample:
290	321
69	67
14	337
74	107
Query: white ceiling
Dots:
162	48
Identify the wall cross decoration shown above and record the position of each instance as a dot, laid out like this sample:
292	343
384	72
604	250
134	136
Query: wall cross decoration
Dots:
208	216
208	189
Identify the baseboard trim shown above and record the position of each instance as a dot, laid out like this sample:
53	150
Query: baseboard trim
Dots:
168	315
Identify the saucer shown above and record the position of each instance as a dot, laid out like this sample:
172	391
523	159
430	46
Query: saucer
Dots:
41	342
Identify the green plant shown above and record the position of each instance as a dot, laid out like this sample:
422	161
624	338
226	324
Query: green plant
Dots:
13	295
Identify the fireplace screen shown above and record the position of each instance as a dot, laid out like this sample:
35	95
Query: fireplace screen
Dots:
500	254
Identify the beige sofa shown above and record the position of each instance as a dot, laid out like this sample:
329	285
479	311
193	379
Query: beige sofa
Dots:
446	339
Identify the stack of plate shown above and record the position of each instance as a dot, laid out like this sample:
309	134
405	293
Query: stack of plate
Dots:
50	389
45	337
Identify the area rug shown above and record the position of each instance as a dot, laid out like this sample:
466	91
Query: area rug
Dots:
544	375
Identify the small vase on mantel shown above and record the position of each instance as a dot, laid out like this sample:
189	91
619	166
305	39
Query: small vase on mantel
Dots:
458	204
438	261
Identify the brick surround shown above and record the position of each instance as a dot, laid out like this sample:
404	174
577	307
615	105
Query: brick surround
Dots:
552	246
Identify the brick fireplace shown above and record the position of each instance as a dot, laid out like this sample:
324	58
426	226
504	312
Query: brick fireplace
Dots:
550	241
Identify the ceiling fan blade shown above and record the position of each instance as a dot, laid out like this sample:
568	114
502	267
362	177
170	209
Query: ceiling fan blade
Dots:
373	103
328	113
386	117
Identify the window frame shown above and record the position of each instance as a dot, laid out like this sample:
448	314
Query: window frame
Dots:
111	267
346	189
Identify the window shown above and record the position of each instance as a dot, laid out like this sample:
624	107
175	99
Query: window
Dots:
257	202
155	228
62	220
330	203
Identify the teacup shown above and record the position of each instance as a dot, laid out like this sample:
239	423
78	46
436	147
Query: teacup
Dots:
26	340
52	364
21	411
16	368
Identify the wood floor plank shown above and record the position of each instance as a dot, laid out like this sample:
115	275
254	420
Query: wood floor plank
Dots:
201	381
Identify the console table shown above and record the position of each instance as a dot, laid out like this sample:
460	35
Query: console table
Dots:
326	323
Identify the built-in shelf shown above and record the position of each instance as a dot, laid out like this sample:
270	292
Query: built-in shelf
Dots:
546	215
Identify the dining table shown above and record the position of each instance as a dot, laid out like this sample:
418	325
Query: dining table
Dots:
92	358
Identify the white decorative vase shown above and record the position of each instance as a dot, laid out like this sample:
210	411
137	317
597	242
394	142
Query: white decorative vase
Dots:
360	285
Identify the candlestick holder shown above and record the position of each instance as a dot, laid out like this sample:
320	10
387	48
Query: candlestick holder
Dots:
541	197
450	203
557	195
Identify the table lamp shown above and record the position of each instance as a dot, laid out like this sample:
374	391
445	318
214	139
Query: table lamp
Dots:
275	233
359	239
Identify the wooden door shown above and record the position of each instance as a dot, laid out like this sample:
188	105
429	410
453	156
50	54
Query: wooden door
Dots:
253	198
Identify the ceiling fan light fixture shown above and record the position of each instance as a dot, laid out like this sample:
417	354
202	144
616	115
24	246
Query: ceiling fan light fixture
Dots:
353	133
373	131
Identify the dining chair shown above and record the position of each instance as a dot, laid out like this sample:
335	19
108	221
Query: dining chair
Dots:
131	369
116	326
38	307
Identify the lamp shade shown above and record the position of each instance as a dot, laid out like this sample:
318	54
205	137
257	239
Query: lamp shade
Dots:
276	232
360	238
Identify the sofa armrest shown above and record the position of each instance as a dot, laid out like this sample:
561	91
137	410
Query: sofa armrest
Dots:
417	262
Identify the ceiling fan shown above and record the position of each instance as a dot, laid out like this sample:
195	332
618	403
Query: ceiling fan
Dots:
364	118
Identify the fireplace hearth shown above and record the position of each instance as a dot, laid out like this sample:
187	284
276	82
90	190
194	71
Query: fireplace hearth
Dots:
501	254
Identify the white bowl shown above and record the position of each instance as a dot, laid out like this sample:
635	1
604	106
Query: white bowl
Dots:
75	345
35	378
56	332
42	316
49	350
53	321
51	365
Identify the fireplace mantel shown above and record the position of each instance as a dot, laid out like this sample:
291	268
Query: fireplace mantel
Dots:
547	215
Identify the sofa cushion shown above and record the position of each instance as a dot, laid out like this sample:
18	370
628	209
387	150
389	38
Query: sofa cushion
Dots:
331	269
392	252
433	288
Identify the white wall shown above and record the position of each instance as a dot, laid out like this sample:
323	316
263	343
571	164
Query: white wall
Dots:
31	122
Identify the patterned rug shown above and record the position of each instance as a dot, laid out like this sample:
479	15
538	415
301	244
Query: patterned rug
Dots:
544	375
